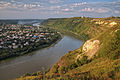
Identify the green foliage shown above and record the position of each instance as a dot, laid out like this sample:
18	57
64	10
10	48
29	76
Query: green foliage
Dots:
27	74
82	61
47	70
73	66
117	67
62	70
77	26
111	45
37	73
54	69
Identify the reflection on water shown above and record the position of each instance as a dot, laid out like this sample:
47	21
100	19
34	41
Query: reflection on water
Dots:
35	61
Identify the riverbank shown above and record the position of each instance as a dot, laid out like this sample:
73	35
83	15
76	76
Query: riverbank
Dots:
65	32
22	40
35	61
101	50
34	49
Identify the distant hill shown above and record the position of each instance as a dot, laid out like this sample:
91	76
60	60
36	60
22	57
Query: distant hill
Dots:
21	21
97	59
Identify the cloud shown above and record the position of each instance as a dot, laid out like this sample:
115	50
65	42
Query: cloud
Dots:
95	10
78	4
117	12
4	5
12	1
56	12
100	10
54	7
54	1
87	10
18	6
58	7
66	10
31	5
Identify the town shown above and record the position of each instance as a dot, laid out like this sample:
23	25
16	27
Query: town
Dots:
20	39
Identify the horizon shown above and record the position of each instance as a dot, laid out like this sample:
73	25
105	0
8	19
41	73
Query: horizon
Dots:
39	9
59	17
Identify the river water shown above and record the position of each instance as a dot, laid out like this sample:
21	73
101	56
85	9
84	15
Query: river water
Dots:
38	60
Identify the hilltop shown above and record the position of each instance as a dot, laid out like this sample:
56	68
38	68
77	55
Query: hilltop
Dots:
97	59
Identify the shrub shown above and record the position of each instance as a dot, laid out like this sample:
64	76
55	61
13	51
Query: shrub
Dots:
84	60
55	69
37	73
111	74
62	70
47	70
72	66
27	74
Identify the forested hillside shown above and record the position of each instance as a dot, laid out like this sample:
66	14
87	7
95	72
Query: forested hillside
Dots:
97	59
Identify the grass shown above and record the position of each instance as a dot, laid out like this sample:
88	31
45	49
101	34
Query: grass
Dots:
104	66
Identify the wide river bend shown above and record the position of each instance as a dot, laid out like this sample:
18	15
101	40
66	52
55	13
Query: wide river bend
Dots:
38	60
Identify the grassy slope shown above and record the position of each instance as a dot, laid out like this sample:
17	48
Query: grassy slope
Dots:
106	65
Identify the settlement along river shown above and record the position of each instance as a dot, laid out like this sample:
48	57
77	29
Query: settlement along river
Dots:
38	60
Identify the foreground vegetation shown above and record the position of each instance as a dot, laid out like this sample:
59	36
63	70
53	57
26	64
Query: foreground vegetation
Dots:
97	59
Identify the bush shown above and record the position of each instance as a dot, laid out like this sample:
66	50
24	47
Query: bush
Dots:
27	74
37	73
72	66
84	60
111	74
62	70
55	69
47	70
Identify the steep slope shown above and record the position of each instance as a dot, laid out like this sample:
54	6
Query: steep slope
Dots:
97	59
86	28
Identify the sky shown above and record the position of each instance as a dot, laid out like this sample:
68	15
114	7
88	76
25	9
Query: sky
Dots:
43	9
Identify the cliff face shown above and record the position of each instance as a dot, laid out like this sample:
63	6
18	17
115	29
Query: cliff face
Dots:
91	47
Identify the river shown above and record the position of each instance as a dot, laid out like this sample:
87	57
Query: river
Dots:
38	60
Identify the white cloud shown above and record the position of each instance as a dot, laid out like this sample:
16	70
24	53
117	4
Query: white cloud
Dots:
87	10
12	1
4	5
32	5
97	10
117	12
18	6
101	10
66	9
54	1
54	7
78	4
56	12
25	5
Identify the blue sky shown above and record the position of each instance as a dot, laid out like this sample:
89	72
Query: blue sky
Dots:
42	9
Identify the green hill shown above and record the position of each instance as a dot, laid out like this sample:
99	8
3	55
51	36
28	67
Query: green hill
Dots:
97	59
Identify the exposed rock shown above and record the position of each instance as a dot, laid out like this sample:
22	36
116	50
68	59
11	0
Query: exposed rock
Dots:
91	47
79	56
117	30
112	24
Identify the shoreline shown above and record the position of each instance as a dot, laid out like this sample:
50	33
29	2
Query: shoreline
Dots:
62	32
35	49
